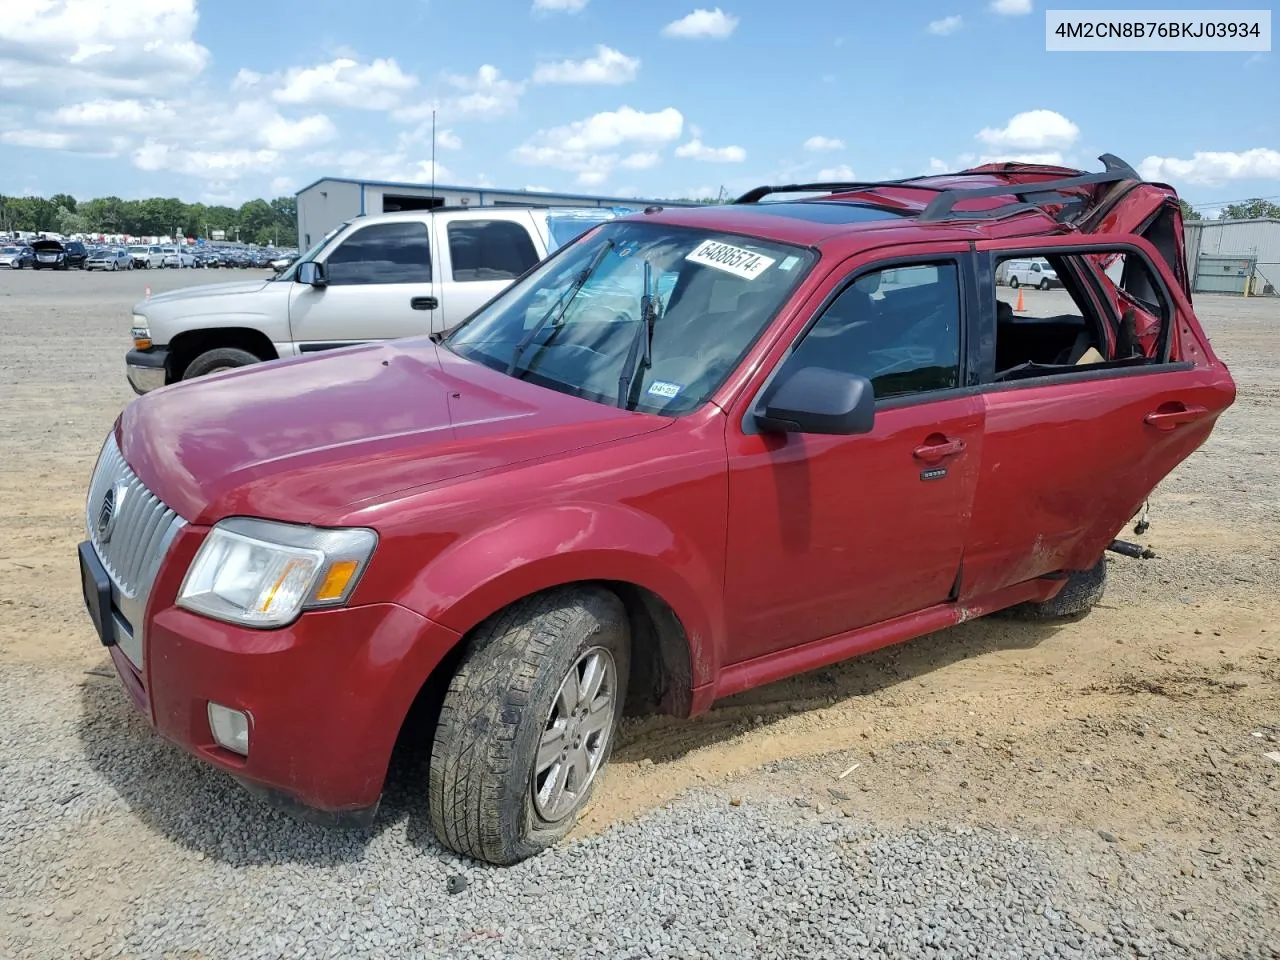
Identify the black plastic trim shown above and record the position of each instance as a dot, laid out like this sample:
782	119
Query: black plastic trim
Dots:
360	818
321	345
941	208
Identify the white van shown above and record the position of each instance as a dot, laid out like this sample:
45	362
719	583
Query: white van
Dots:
372	278
1031	273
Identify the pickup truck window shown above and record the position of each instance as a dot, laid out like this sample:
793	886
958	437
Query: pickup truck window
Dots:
382	253
644	316
490	250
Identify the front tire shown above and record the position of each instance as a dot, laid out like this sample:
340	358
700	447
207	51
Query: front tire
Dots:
1044	284
1081	593
220	358
1013	283
528	722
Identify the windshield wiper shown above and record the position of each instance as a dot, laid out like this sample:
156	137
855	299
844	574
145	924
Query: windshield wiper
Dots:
629	376
560	307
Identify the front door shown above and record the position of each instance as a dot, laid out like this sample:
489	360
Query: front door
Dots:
379	287
830	533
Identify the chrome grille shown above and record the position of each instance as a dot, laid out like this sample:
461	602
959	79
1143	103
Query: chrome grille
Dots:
131	530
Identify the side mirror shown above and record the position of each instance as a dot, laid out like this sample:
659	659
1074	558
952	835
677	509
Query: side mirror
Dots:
817	400
312	274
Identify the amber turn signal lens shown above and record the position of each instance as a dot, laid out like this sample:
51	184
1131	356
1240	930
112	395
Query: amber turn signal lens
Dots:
336	580
140	343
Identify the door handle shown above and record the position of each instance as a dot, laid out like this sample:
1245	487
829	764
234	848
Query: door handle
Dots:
424	303
938	447
1170	415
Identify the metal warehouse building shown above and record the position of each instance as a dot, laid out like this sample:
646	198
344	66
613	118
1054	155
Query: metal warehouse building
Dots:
1234	256
330	201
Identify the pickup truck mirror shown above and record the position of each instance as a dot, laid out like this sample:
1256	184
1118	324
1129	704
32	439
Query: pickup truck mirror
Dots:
818	400
312	274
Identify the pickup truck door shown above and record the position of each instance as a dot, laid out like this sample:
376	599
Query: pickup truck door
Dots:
379	287
831	533
478	255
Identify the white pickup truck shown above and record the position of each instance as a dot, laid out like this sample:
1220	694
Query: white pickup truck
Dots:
371	278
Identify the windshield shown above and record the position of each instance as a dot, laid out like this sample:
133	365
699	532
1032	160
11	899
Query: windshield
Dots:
711	295
311	254
9	250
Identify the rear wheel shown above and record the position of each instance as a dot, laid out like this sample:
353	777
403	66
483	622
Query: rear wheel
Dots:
220	358
527	723
1081	593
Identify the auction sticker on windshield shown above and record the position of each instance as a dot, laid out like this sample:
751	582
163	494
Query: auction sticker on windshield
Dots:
730	259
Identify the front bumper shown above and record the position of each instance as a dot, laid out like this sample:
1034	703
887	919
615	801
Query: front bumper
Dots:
146	369
326	696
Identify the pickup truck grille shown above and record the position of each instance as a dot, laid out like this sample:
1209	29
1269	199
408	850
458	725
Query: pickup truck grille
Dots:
131	530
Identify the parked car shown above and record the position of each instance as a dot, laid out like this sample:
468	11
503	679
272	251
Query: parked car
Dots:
1031	273
694	451
17	256
373	278
147	256
282	262
177	259
110	259
59	254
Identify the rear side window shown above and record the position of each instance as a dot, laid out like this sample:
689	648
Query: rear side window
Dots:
489	250
899	328
382	253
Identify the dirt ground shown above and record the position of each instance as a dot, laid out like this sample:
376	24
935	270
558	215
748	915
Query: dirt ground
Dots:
1144	725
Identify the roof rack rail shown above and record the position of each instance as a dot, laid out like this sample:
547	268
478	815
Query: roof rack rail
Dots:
941	207
825	186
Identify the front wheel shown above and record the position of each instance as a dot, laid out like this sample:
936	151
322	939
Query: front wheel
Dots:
1013	283
220	358
1044	284
527	723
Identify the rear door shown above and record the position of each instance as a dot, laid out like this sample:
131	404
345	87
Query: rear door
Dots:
380	287
1075	440
479	254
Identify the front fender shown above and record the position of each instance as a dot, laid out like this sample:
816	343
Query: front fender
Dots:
572	542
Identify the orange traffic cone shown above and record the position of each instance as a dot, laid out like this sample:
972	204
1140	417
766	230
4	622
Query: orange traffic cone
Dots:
1020	307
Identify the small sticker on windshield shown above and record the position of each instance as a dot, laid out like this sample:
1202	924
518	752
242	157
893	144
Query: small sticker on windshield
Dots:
730	259
789	263
661	388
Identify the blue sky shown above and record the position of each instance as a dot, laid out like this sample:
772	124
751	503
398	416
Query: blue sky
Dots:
224	101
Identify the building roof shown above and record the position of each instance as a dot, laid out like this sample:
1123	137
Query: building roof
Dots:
630	201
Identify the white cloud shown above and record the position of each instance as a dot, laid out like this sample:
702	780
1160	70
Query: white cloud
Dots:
946	25
560	6
40	139
537	189
1011	8
938	166
1032	130
702	24
487	94
640	161
1214	167
841	172
396	166
697	150
588	147
53	47
132	114
245	79
282	186
282	134
206	164
344	82
819	144
448	140
1051	158
608	66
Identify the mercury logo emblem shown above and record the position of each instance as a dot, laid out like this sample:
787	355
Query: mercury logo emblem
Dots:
106	523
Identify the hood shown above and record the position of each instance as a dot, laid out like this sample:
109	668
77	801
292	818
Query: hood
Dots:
203	291
306	439
48	246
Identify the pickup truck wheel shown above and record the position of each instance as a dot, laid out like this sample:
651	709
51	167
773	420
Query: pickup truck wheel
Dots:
528	722
1081	593
221	358
1013	283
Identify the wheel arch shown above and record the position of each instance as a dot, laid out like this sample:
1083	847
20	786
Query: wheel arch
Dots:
186	346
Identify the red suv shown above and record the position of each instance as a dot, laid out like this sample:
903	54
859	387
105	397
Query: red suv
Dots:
695	451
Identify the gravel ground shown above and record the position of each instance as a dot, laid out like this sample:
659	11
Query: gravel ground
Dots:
1093	789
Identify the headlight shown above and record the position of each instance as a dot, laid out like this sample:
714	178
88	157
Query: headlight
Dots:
141	332
263	574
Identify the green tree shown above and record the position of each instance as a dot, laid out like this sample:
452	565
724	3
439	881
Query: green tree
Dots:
71	222
64	200
1188	212
1250	210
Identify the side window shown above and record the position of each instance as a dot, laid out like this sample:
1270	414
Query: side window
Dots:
1056	326
382	253
489	250
899	328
